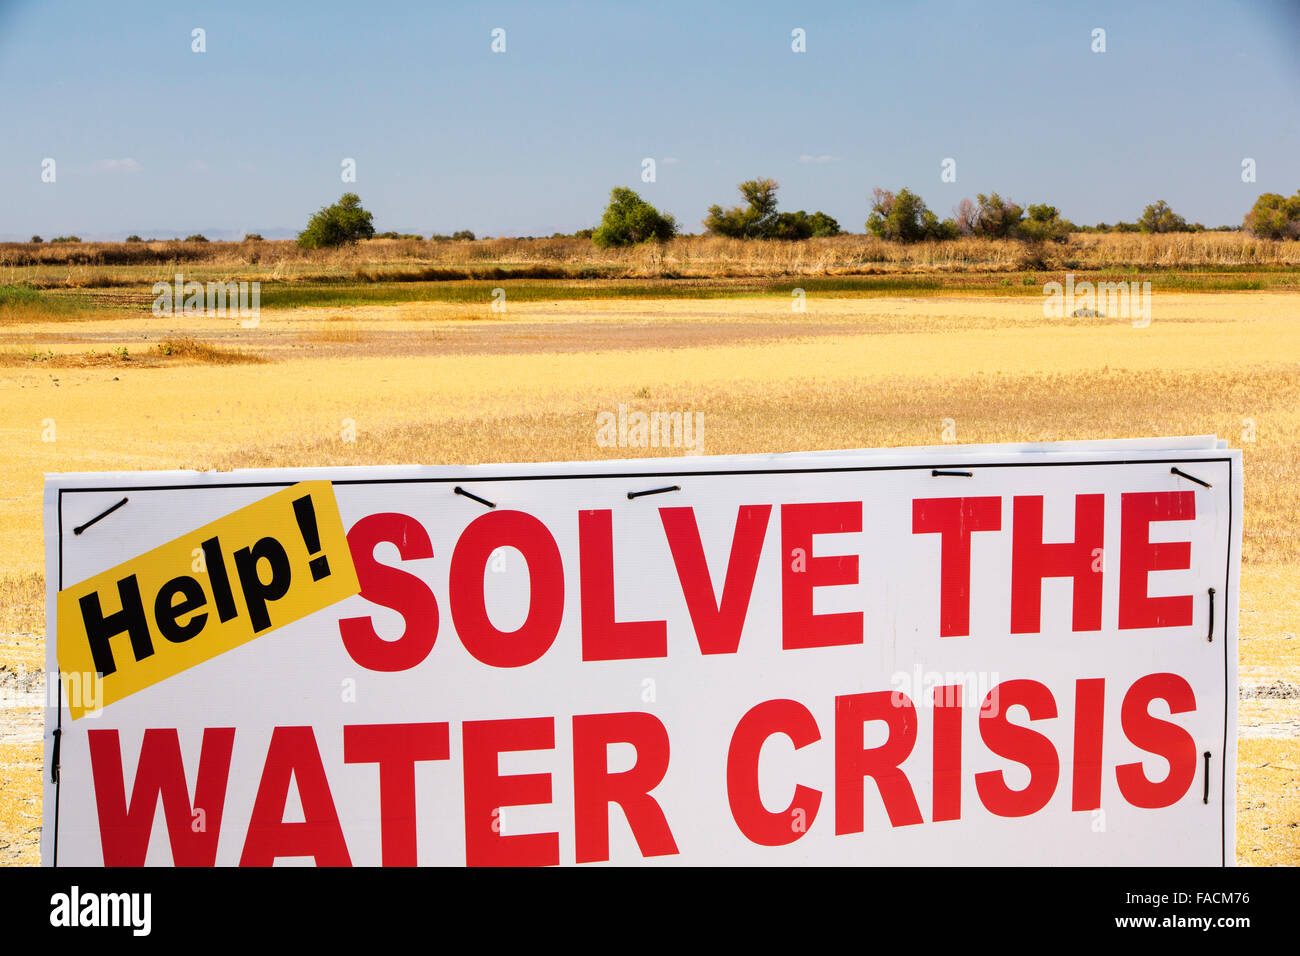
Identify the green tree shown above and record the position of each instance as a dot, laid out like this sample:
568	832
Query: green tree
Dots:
1158	217
757	219
1274	216
1044	224
823	225
997	218
900	216
801	225
629	219
335	225
37	239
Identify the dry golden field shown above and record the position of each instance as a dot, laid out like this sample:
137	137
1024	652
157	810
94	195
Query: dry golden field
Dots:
453	382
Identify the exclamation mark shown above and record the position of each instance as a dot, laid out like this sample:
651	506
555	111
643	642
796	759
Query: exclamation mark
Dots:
306	514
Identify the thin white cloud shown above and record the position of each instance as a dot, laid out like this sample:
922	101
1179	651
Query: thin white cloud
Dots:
670	160
823	158
127	165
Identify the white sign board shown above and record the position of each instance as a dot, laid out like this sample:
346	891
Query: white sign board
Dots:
965	655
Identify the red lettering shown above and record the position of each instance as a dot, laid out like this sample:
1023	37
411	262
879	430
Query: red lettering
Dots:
486	792
947	752
595	788
1020	744
293	756
1160	737
954	519
801	573
717	623
124	831
1032	560
1138	557
499	529
853	763
603	637
396	748
1089	717
391	588
755	821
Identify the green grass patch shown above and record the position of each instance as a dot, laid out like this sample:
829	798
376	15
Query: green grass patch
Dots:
19	304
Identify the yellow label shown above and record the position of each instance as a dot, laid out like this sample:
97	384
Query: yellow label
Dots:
257	569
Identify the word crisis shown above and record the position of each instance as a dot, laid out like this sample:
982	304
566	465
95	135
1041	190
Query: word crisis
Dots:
717	614
293	756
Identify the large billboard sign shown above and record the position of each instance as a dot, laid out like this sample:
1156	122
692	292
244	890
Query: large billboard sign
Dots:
968	655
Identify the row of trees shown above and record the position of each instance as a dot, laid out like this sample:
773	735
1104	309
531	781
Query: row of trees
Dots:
900	217
904	217
346	221
629	219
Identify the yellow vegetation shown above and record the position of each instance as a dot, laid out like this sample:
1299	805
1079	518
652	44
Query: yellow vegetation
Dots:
434	384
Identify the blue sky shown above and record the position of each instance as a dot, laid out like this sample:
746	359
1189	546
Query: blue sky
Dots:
151	137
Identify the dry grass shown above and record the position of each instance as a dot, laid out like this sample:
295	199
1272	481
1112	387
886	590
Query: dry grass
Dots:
171	351
96	265
186	349
51	359
340	330
850	373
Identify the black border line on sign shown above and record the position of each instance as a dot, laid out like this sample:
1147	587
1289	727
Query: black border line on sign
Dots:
58	728
197	486
1227	701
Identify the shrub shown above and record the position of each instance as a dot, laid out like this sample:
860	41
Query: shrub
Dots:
197	237
823	225
253	237
66	239
1158	217
966	216
757	219
463	235
997	218
134	238
344	222
37	240
629	219
1044	224
800	225
903	217
1274	216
